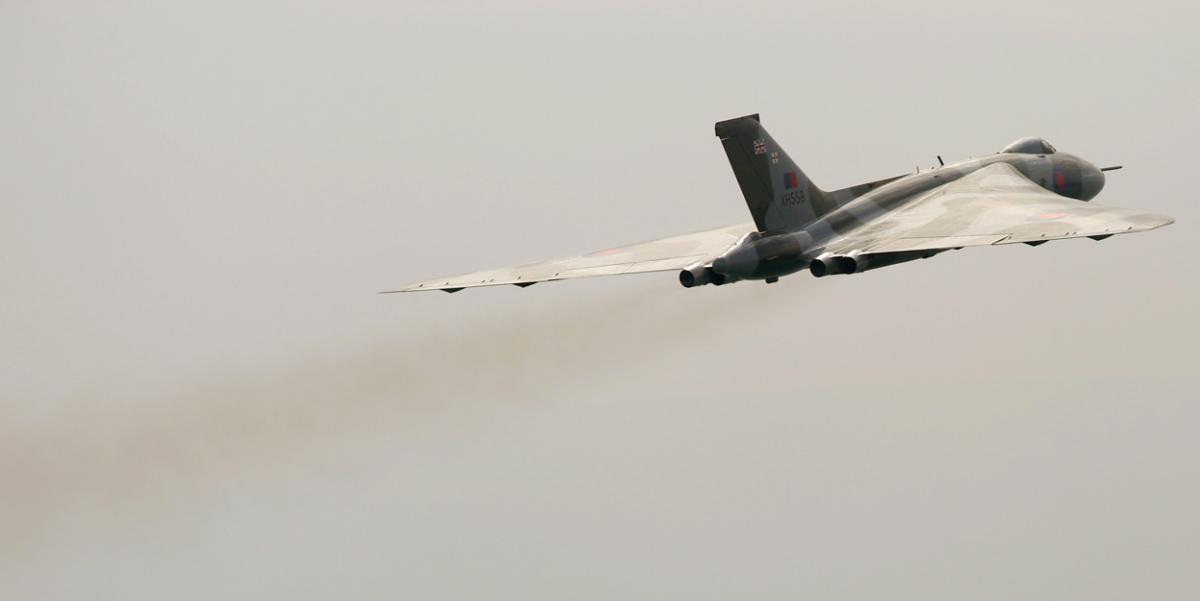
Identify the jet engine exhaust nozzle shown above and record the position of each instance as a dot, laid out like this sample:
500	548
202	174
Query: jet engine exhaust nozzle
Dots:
700	275
847	264
835	265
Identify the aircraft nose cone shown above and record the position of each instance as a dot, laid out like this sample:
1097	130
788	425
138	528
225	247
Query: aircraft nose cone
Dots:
1092	181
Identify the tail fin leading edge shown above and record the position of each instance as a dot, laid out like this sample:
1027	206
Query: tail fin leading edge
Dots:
777	192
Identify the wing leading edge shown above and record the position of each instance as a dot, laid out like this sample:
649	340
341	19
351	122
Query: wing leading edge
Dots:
666	254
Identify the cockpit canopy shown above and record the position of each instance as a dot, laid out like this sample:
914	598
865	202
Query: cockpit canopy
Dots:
1030	146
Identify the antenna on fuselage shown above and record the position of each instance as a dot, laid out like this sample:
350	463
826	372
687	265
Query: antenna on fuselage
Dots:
1113	168
940	161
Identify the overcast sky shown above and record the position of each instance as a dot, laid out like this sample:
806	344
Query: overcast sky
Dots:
202	397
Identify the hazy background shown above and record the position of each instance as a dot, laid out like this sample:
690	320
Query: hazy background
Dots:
202	397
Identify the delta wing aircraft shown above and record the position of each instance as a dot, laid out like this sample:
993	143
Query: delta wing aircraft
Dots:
1027	193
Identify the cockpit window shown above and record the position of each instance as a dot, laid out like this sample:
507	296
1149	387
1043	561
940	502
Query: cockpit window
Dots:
1030	146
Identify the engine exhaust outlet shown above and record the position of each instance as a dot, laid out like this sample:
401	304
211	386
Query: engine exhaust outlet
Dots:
833	265
700	275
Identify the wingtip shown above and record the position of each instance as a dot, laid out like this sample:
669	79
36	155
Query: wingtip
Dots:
1163	221
402	290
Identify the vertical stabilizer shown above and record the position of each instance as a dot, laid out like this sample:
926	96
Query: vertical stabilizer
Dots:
779	195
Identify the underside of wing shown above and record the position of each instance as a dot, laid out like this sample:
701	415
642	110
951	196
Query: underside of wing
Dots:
666	254
994	205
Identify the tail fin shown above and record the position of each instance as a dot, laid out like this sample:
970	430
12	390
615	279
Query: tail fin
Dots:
778	193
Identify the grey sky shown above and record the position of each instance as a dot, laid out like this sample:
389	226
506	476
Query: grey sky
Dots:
200	395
